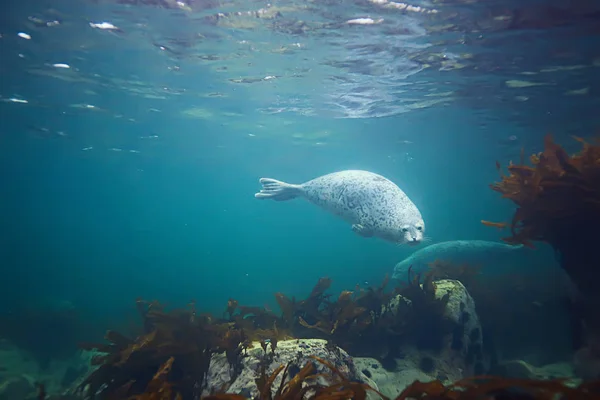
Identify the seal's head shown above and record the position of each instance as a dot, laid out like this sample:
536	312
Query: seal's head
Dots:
412	233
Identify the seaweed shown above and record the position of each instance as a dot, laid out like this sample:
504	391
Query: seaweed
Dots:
258	322
305	385
159	387
558	202
373	321
428	324
492	387
178	341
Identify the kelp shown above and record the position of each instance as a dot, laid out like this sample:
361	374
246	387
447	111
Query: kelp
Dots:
491	387
373	321
360	321
558	191
305	385
558	202
180	337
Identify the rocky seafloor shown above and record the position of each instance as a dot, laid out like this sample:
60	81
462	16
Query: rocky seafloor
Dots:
461	355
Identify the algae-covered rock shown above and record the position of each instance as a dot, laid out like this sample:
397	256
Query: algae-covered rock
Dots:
463	350
295	351
460	354
523	370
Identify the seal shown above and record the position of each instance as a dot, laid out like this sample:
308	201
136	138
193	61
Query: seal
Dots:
374	205
493	255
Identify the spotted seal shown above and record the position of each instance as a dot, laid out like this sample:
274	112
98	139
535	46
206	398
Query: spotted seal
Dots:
494	255
374	205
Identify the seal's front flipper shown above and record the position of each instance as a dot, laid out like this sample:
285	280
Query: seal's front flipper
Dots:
362	231
277	190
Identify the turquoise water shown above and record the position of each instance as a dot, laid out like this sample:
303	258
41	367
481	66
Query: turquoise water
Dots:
132	172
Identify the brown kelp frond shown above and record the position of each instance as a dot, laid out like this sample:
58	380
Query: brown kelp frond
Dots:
259	323
178	342
126	365
305	385
159	387
354	390
287	306
372	299
558	202
170	359
483	387
358	320
423	295
556	190
264	383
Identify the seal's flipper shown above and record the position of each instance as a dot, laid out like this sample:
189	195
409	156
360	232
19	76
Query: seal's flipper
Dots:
277	190
362	231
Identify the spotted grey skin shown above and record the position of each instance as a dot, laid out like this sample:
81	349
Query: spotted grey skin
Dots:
374	205
492	255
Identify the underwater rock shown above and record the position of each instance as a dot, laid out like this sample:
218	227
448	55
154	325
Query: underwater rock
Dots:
296	351
523	370
17	364
17	388
458	355
462	353
391	383
586	364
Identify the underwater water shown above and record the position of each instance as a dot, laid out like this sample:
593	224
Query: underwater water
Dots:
133	135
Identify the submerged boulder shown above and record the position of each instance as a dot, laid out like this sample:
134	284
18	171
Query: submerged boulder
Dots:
458	355
463	348
296	351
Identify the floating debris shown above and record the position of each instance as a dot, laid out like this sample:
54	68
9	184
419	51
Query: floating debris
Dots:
15	100
364	21
104	25
578	92
84	106
523	84
402	6
42	23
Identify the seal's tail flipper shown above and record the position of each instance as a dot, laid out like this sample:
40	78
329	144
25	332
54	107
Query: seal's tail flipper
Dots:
277	190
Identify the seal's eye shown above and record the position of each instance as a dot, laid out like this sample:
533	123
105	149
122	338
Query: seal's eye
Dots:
419	228
404	229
